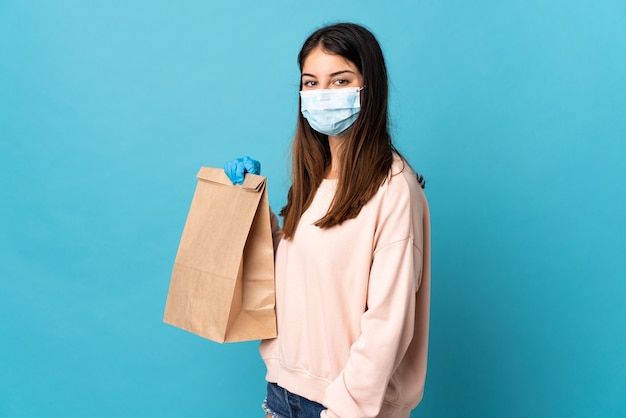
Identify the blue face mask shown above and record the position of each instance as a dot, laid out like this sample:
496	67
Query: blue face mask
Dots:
333	111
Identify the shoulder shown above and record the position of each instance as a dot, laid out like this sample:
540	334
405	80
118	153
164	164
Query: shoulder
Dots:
402	183
401	194
401	207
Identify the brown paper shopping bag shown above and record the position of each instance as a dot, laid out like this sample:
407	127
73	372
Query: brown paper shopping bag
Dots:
222	285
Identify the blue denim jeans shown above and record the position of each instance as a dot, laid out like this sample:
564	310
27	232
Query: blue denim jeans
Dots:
280	403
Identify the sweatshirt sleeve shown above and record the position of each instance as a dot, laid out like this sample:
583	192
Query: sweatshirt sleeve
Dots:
387	325
277	232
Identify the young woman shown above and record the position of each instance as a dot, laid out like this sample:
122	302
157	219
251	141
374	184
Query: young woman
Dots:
353	261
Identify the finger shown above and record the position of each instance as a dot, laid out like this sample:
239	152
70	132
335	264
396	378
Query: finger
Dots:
239	172
230	170
252	166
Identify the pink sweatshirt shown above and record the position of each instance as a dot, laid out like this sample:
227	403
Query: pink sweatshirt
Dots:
352	304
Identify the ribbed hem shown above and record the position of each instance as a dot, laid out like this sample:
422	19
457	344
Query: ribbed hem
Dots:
296	381
314	388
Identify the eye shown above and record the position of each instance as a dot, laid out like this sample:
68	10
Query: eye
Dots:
341	82
309	83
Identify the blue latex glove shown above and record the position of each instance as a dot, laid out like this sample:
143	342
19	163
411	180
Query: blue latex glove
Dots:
237	168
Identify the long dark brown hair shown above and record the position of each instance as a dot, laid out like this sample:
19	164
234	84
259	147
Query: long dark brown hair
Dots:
367	152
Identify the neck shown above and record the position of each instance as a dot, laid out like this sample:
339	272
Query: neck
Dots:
336	148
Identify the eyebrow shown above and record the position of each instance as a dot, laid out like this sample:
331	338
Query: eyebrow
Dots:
332	75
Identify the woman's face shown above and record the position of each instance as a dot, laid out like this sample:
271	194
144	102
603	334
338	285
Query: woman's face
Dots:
322	70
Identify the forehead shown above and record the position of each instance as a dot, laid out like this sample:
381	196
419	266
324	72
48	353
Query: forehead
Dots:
320	62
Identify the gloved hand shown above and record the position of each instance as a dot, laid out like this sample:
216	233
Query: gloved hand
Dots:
237	168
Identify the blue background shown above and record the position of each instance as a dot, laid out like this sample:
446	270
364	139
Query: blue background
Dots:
513	110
